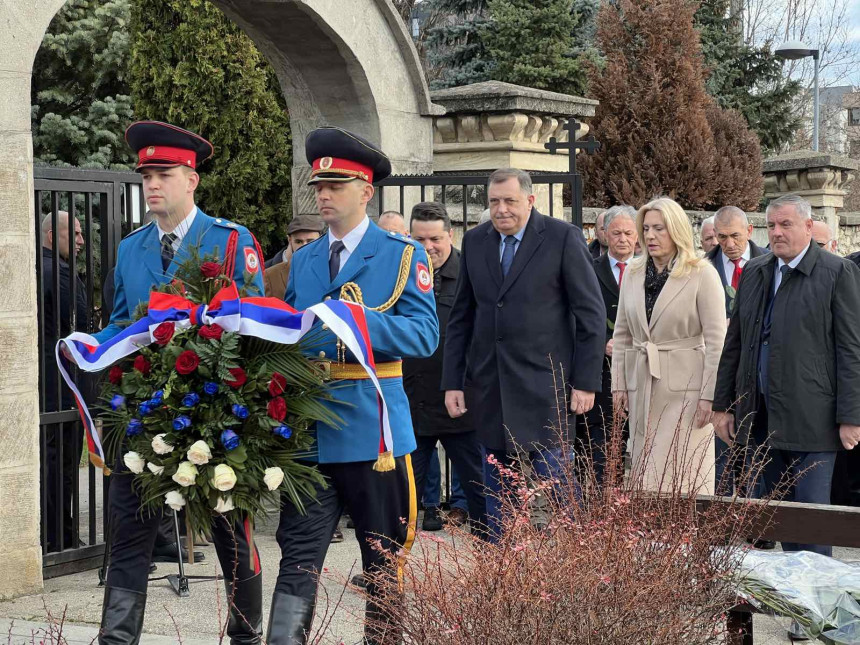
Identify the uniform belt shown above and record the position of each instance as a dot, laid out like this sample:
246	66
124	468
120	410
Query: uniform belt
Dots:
353	371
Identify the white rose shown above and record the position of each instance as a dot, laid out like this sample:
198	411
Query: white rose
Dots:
186	474
224	478
155	469
134	462
160	446
199	453
224	505
174	500
273	477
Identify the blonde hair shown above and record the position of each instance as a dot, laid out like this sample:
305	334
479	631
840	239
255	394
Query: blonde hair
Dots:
679	229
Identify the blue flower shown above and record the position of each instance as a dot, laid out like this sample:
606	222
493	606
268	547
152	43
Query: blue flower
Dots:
240	411
230	440
210	388
284	431
145	408
135	427
117	402
191	399
158	397
181	423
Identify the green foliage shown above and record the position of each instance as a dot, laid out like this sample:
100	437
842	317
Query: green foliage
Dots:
80	93
531	42
191	66
746	78
456	47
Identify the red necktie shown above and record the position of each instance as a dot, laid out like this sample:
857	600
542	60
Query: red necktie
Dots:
736	276
620	266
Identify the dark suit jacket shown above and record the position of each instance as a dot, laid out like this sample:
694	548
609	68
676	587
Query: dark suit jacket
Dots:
513	331
421	376
594	248
716	257
814	321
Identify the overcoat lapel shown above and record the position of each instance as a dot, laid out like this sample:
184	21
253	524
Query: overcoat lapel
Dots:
319	261
605	274
152	255
671	289
532	239
491	255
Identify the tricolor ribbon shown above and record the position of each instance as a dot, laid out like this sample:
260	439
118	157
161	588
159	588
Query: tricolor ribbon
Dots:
266	318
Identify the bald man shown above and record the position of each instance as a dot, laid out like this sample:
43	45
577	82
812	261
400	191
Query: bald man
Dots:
823	236
393	222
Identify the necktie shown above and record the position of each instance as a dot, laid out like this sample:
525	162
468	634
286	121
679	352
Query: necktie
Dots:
621	266
167	250
334	259
508	254
736	276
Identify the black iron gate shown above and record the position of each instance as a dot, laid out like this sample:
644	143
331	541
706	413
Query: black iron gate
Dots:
106	205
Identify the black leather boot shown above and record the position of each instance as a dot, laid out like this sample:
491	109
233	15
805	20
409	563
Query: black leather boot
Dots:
245	626
378	629
122	617
290	620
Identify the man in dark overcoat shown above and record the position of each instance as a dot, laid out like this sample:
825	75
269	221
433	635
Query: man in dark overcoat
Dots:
529	321
789	376
431	227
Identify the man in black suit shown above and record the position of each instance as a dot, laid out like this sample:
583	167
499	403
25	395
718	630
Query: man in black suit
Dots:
597	246
527	303
621	236
733	250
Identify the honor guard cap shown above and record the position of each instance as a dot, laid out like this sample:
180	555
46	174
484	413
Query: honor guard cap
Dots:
161	145
338	155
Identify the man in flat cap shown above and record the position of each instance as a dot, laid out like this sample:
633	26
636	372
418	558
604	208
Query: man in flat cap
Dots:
302	229
390	275
147	258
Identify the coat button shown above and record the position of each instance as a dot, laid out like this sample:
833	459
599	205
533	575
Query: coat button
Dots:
327	298
322	354
325	327
498	339
500	304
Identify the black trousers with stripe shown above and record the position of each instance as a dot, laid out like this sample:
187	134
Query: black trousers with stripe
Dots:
382	505
133	535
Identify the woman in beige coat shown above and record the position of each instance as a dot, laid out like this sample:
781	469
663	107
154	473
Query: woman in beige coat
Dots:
667	342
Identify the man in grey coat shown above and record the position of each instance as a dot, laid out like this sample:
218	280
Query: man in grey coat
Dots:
780	383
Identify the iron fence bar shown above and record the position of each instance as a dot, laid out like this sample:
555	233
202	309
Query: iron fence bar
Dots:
86	174
90	260
55	279
423	191
69	185
551	201
402	200
381	199
465	209
471	180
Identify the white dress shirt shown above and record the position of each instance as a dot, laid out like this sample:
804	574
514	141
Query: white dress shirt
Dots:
792	265
181	230
613	263
350	240
729	266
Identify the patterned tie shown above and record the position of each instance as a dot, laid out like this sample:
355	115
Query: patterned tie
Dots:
508	254
167	250
334	259
736	276
621	266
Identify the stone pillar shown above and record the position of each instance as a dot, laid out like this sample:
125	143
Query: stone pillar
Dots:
821	178
495	125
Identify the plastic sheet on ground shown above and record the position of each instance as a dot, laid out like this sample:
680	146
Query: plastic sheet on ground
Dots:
821	593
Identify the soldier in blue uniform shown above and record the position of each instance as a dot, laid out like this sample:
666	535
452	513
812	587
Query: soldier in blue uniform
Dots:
148	257
391	276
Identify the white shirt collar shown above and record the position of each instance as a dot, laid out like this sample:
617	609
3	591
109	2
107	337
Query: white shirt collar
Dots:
351	239
181	230
793	264
613	261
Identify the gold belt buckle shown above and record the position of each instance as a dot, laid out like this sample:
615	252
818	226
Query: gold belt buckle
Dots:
324	367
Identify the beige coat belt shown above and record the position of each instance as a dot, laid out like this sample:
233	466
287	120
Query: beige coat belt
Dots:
651	351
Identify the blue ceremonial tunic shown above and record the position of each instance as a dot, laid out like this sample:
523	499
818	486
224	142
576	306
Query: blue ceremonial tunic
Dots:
139	270
409	329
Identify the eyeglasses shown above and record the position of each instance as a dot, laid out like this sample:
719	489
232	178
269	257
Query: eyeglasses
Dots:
821	244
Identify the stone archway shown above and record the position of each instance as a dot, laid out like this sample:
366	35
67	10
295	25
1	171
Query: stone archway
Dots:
341	63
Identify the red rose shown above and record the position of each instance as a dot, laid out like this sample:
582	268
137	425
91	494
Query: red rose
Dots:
212	332
187	362
210	269
277	409
115	374
239	377
278	384
163	333
142	365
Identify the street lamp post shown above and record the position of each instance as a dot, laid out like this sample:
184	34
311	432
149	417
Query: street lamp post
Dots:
794	50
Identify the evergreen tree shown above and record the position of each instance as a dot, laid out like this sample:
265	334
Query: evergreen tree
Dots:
531	42
80	93
455	50
747	79
652	120
191	66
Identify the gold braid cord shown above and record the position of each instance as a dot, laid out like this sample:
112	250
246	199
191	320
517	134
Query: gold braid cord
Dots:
351	292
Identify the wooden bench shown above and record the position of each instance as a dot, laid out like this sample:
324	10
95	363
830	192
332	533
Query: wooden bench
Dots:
791	522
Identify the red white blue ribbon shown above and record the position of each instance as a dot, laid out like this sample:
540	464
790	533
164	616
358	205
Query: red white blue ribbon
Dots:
266	318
